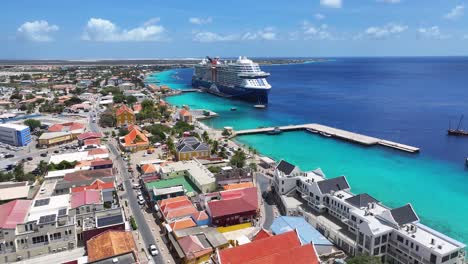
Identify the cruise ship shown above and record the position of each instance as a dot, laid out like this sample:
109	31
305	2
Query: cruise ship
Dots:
242	79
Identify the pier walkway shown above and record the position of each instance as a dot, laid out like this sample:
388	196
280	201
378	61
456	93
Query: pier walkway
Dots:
336	133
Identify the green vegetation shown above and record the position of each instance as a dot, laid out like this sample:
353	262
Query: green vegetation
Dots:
50	107
364	259
214	169
72	101
238	159
17	174
158	133
63	165
214	146
133	223
226	133
253	166
32	123
181	127
123	132
107	119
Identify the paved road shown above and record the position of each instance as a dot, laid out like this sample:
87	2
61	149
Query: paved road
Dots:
264	182
145	231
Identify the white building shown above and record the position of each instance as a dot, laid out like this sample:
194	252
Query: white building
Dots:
194	170
360	224
14	134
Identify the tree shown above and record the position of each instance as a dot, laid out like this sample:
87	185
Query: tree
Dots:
226	133
131	99
238	159
214	169
32	124
205	136
73	100
214	147
123	132
253	166
118	98
364	259
107	119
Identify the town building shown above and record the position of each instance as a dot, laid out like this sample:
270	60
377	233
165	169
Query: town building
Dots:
188	148
229	175
231	207
74	128
10	191
196	172
112	247
185	116
135	140
360	224
283	248
49	139
124	116
15	135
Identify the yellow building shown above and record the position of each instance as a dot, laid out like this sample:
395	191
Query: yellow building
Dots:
124	116
190	147
54	138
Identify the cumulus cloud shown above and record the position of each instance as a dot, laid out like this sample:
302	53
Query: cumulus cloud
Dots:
206	36
200	21
98	29
39	31
432	32
319	16
388	30
267	33
456	12
152	21
331	3
316	32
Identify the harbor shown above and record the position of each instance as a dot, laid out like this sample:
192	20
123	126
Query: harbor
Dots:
335	133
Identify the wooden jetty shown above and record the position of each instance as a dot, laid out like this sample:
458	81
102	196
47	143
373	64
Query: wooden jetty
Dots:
336	133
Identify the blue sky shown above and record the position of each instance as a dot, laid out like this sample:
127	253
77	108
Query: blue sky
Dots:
86	29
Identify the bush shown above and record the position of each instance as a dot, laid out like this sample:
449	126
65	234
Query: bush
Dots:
133	223
214	169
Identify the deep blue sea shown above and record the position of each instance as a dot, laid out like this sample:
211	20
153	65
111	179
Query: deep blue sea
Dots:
407	100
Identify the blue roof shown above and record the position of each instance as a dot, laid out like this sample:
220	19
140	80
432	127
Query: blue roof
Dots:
307	233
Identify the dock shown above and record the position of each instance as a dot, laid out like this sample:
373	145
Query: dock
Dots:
335	133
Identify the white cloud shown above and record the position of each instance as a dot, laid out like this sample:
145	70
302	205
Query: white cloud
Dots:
456	12
206	36
316	32
319	16
152	21
432	32
382	32
267	33
200	21
98	29
331	3
39	31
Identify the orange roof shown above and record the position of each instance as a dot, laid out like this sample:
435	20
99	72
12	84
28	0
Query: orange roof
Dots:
135	137
283	248
148	168
137	107
92	141
182	224
181	212
262	233
238	186
70	126
171	200
110	243
97	151
184	112
122	109
96	185
175	205
201	215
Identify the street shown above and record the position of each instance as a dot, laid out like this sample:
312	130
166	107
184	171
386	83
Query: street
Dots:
263	182
143	228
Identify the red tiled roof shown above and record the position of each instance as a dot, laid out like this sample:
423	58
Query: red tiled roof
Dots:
176	207
201	215
192	247
85	197
88	135
182	224
238	185
13	213
184	112
96	185
70	126
172	200
283	248
110	243
148	168
123	108
92	141
133	135
261	235
101	162
98	151
88	174
234	202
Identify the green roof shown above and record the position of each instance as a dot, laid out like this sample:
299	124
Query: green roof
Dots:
188	186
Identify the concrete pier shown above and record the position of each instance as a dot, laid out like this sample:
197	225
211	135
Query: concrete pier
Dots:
336	133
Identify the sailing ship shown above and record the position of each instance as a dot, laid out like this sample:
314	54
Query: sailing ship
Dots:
458	131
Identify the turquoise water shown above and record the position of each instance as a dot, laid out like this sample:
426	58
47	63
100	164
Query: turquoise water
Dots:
436	188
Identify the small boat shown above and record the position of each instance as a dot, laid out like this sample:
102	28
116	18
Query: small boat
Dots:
260	106
466	162
325	134
458	131
275	131
312	130
233	109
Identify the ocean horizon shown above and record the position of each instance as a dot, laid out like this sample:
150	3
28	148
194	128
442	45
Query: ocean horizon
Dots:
409	100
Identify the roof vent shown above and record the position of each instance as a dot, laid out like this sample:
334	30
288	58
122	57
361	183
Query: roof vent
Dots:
432	241
115	260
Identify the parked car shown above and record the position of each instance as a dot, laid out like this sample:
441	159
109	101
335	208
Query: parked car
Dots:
56	151
29	158
7	156
153	250
44	155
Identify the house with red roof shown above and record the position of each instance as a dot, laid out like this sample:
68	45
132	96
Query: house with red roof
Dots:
92	141
88	199
124	116
279	249
185	115
195	250
88	135
148	170
96	185
13	213
135	140
74	128
233	206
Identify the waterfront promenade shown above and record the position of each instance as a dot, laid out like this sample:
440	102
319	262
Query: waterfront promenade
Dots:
333	132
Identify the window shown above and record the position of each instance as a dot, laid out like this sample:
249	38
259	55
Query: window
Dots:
417	248
376	251
454	255
411	245
400	239
383	249
377	241
445	258
353	218
384	238
433	259
40	239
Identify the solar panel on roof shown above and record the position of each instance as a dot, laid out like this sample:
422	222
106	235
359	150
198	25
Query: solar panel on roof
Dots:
42	202
47	219
109	220
62	212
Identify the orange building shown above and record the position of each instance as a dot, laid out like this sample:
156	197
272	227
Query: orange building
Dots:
124	116
111	244
135	140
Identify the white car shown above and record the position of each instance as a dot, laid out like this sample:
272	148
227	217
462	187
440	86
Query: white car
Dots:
153	250
138	192
141	201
